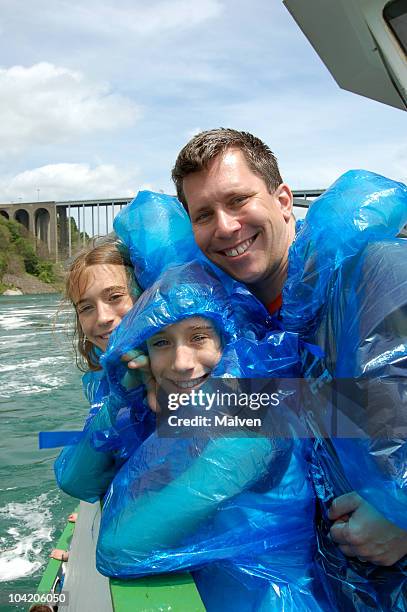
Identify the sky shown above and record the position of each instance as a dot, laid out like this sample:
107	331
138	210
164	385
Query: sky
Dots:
98	96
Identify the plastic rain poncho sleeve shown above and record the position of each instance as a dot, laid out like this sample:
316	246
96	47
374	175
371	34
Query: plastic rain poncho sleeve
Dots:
80	470
112	430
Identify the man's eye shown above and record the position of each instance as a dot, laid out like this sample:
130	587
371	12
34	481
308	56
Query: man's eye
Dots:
202	217
239	200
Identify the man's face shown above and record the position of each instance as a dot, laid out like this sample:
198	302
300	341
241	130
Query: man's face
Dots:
237	223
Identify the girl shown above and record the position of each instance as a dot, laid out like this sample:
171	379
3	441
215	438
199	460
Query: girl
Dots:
238	510
100	285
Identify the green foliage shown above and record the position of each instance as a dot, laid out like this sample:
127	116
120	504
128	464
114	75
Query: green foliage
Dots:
45	272
77	236
26	250
5	235
15	229
16	241
3	263
5	239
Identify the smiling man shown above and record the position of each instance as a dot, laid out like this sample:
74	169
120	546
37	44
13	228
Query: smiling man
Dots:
241	214
240	209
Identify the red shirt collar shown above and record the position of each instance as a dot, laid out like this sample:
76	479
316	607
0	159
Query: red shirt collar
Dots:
275	305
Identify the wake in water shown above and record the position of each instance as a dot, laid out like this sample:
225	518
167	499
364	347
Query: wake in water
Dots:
35	349
31	376
30	529
40	390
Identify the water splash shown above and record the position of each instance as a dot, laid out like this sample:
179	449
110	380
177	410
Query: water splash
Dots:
28	535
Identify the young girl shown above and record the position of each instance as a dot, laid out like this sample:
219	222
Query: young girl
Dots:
238	510
101	287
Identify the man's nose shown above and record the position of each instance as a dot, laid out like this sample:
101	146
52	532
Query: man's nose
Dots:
183	359
226	224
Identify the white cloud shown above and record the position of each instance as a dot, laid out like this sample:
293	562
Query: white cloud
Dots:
131	16
206	64
323	166
46	104
155	17
318	137
107	19
69	182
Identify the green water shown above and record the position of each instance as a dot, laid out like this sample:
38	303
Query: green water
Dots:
40	390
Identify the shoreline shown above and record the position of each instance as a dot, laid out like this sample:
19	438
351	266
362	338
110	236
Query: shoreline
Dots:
27	284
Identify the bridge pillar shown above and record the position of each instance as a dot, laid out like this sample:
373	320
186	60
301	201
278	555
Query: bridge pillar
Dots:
63	230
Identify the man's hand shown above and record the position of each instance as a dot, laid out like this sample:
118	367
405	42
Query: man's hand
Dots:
361	531
140	364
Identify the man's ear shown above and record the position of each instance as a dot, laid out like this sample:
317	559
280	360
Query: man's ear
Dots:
285	198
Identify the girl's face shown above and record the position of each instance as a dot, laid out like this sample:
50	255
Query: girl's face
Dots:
183	355
103	301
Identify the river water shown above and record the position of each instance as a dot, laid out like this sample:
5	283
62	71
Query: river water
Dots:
40	390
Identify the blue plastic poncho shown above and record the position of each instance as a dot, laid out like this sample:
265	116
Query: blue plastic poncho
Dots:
238	511
79	469
359	208
115	426
347	290
358	280
157	233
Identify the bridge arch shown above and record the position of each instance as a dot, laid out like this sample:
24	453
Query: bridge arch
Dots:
42	226
4	214
22	217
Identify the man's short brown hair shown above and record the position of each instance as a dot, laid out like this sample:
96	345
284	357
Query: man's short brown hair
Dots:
204	147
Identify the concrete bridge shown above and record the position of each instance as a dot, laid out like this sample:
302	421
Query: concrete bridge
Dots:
49	222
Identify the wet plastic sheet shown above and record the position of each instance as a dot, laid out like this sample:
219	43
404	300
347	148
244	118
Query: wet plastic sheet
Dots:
347	292
181	504
360	207
347	289
369	344
158	233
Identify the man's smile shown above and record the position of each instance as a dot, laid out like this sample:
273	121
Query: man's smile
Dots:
240	248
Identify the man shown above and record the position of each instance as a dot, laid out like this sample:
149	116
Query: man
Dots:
241	214
240	209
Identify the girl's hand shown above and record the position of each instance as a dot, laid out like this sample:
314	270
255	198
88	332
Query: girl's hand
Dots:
139	363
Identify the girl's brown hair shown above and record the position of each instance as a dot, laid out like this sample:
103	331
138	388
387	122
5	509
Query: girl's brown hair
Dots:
109	252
